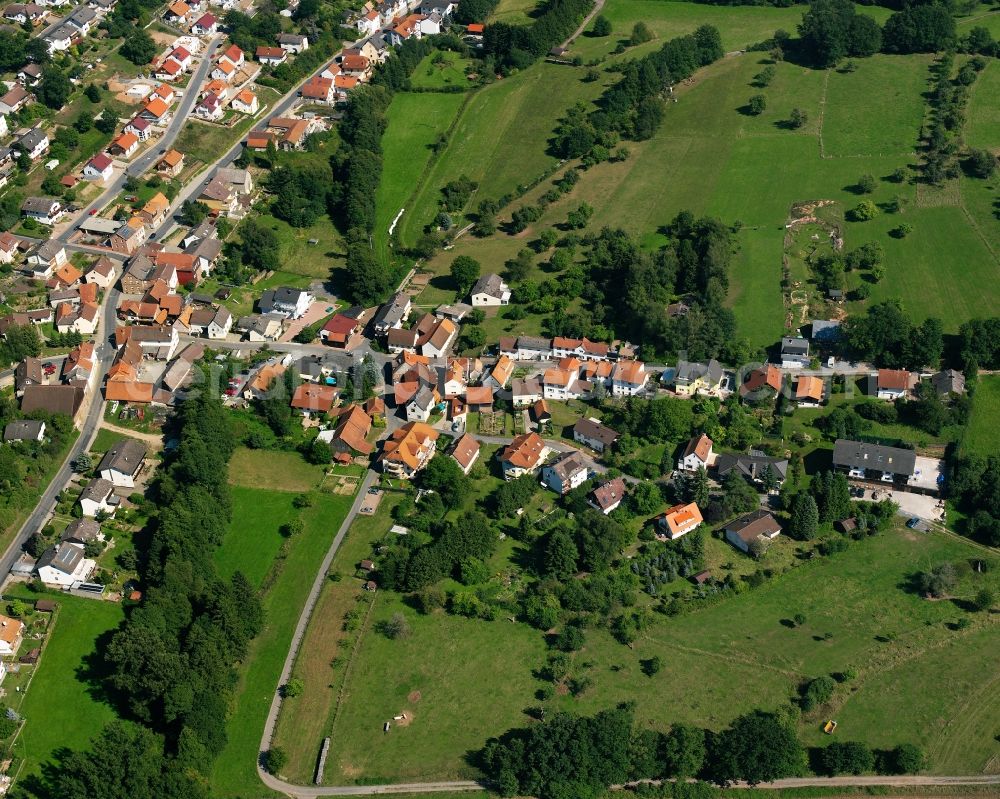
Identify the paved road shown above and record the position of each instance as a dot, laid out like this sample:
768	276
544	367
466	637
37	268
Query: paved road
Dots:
586	21
88	429
145	161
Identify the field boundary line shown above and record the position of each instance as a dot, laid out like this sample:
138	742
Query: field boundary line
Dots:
822	114
350	662
732	658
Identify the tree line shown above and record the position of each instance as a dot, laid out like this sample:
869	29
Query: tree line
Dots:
173	661
581	757
519	46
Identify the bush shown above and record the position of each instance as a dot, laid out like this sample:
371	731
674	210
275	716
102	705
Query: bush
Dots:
817	692
863	211
277	759
294	687
757	105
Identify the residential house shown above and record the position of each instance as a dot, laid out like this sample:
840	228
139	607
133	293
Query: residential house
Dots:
693	378
525	392
891	384
64	565
293	43
794	352
745	532
697	454
540	413
271	56
393	314
66	275
420	406
122	463
52	399
465	452
479	399
948	382
562	382
261	327
221	324
169	70
22	13
286	302
210	108
356	66
224	71
489	291
245	102
24	430
234	55
524	455
584	349
125	145
9	244
591	433
339	329
99	497
130	236
608	495
678	521
50	256
82	320
79	363
628	378
757	381
809	390
139	127
82	531
28	373
312	399
100	167
30	74
500	374
369	23
318	90
11	634
34	143
156	111
14	100
865	461
157	343
177	13
205	25
171	163
825	331
565	473
436	336
155	210
409	449
349	436
755	467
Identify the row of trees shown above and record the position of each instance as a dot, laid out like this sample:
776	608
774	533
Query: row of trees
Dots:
888	338
832	30
975	487
173	661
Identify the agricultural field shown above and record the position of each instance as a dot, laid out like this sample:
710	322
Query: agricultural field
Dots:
460	681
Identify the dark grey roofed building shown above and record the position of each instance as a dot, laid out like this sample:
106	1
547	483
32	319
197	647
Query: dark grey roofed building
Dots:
859	458
24	430
751	466
82	531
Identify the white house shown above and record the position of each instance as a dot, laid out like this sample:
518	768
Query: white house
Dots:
246	102
122	463
562	382
524	455
293	43
565	474
287	302
44	209
210	108
99	496
220	325
419	408
628	378
759	525
369	23
11	633
490	290
64	565
697	454
100	167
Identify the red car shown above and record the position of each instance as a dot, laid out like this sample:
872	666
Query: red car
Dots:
93	211
49	368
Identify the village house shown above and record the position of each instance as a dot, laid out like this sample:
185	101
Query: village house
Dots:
271	56
678	521
948	382
24	430
863	461
9	245
628	378
139	127
697	454
22	13
422	404
524	455
745	532
392	314
14	100
82	320
794	352
314	399
286	302
490	291
293	43
318	90
129	237
156	111
205	25
122	463
47	258
177	13
525	392
349	436
100	167
30	74
479	399
34	143
465	452
171	163
339	329
757	380
607	496
562	382
693	378
891	384
79	363
99	497
245	102
755	467
565	473
809	391
500	374
591	433
64	565
409	449
169	70
27	373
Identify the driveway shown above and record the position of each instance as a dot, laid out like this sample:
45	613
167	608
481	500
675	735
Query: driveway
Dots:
314	314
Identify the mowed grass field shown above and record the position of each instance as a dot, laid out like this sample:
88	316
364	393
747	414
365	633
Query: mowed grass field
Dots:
257	514
982	434
475	678
414	123
64	705
711	158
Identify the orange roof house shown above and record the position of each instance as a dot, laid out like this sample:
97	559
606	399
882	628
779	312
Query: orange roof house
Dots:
68	275
409	449
757	379
155	109
313	398
809	389
353	426
474	29
678	520
524	454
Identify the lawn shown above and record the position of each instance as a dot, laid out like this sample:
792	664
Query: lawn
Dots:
276	471
474	678
253	538
65	705
983	124
414	123
235	773
440	70
982	435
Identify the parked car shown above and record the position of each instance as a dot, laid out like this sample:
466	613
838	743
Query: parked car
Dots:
912	522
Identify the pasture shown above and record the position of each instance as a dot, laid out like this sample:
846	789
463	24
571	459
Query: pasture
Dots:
461	681
981	433
65	705
273	470
287	586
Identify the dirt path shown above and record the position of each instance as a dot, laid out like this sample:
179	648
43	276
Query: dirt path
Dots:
586	21
153	439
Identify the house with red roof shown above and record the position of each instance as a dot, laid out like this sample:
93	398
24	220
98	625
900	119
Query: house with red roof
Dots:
100	167
205	25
